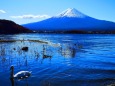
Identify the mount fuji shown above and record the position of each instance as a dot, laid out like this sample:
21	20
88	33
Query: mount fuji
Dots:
72	20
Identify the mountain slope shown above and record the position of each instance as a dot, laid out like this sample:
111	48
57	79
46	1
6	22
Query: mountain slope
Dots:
69	20
9	27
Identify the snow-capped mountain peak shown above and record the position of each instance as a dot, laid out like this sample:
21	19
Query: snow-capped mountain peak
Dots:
72	20
71	12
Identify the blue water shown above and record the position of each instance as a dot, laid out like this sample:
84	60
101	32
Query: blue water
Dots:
74	59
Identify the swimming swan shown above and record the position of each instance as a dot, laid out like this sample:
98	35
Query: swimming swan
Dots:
20	75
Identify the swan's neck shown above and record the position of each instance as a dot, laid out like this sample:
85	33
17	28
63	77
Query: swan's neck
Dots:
12	73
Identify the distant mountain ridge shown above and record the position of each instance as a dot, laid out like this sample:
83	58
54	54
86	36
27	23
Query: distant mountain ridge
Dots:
72	20
10	27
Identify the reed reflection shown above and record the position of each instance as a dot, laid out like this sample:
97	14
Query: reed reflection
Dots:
68	50
34	52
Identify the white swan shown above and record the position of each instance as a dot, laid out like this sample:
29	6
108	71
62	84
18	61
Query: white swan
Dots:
20	75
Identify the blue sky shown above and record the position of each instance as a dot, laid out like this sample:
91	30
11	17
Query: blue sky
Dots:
25	11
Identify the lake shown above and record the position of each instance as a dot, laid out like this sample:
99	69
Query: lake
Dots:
58	59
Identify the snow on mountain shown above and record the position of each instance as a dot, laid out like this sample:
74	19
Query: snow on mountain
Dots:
71	13
71	19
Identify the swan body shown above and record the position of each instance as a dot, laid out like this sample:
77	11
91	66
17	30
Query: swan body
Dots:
20	75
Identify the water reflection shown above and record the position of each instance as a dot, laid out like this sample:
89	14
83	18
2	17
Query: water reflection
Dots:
24	53
46	53
17	83
69	50
60	60
39	52
12	81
